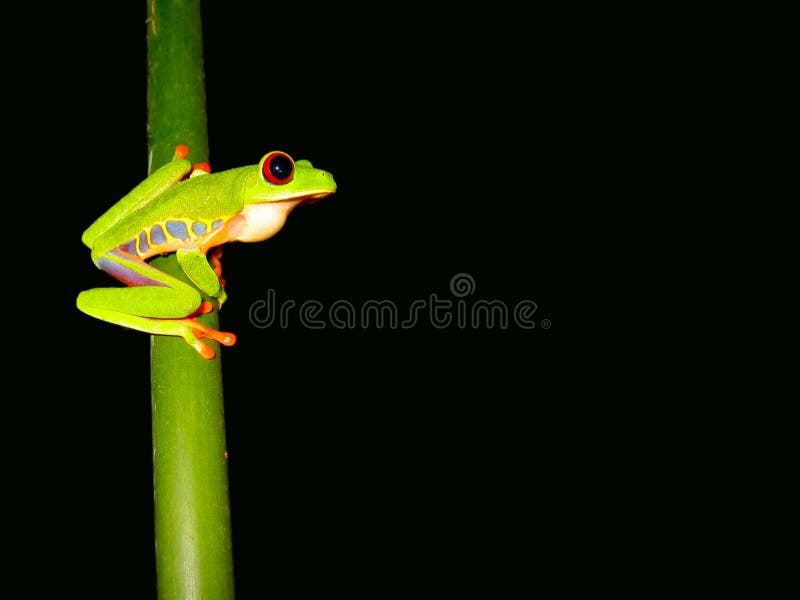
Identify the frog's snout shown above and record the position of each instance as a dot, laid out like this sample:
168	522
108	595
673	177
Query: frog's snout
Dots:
324	183
329	177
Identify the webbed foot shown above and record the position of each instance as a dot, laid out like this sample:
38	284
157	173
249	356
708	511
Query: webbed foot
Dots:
194	332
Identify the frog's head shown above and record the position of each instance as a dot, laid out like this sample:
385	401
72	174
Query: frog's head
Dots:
274	188
281	179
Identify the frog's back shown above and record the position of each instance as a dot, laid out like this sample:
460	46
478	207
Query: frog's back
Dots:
182	213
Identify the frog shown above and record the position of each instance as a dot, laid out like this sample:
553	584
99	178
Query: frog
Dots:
185	209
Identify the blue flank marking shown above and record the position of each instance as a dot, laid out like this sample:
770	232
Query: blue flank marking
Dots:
177	229
217	223
143	246
129	247
198	228
157	236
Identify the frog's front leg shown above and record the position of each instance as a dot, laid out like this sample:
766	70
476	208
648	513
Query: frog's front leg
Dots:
155	302
194	263
205	272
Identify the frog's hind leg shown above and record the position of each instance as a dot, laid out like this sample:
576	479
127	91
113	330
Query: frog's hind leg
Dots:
155	303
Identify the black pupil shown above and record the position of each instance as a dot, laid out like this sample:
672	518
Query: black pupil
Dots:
280	166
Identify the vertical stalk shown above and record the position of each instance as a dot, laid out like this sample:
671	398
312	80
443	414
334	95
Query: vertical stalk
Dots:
192	514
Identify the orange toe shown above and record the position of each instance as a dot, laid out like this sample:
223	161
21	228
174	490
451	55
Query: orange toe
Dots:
181	151
201	331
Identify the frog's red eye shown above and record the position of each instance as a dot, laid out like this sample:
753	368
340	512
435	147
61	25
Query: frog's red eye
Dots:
278	168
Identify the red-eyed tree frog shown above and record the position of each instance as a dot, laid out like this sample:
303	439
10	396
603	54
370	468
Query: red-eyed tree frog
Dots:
188	210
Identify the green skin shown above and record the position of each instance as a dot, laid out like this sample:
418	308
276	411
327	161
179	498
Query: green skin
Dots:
208	209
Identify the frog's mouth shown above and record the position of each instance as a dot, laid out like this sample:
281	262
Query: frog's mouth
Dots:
303	197
316	197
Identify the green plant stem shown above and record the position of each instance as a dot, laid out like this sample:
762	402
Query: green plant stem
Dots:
192	511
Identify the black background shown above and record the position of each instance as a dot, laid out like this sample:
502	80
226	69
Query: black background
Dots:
370	453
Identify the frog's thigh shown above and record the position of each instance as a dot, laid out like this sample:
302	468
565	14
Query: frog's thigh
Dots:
153	293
